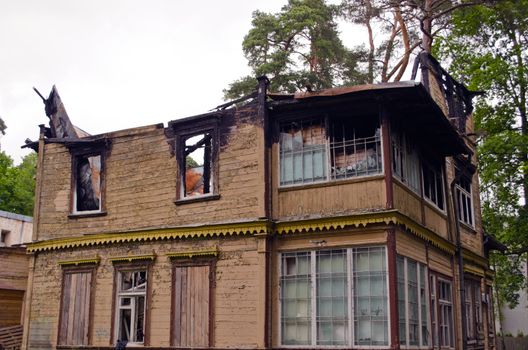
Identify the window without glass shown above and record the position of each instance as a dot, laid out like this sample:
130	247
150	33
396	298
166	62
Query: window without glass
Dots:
412	303
464	200
322	149
316	304
87	183
191	305
405	161
75	308
131	305
433	184
4	234
196	174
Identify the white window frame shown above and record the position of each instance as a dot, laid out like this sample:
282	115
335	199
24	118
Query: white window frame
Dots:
419	266
440	307
328	147
463	196
133	295
350	300
75	179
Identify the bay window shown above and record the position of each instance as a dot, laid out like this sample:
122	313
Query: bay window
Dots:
334	297
324	148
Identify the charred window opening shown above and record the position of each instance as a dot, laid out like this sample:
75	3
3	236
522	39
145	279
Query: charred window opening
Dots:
321	149
198	152
433	184
87	188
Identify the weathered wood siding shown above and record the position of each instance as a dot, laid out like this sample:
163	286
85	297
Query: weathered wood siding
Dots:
407	202
236	286
331	198
141	182
11	302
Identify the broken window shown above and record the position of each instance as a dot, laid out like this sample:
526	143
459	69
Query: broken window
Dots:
191	322
131	305
324	148
197	165
75	307
433	184
87	183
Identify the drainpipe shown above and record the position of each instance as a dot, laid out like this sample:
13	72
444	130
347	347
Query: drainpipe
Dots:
462	284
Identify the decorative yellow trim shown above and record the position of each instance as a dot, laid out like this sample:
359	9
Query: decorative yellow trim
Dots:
362	220
235	229
92	261
474	258
195	253
474	270
131	258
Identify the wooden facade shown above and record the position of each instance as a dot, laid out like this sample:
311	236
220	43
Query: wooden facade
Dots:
319	220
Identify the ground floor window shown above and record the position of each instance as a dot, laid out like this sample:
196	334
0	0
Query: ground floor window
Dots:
334	297
131	305
474	323
442	312
413	306
75	307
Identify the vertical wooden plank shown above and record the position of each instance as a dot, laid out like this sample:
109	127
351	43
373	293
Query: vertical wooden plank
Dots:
86	308
71	308
184	309
63	329
177	306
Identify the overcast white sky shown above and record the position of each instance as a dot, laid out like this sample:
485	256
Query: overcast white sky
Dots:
118	63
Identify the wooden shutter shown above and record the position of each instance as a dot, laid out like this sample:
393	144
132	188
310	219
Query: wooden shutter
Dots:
75	312
191	306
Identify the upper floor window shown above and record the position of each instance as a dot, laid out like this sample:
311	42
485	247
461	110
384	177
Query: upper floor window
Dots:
4	234
197	176
405	161
87	183
433	184
334	298
324	148
464	200
197	157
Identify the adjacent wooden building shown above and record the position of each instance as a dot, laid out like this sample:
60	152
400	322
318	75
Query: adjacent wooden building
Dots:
342	218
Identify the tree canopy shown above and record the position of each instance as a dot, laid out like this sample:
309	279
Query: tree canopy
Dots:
17	184
488	50
297	48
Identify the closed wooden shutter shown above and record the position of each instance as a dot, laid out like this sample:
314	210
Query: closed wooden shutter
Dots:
75	312
191	306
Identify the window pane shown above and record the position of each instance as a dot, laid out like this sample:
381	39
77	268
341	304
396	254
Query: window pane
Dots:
131	306
296	299
198	165
370	296
332	297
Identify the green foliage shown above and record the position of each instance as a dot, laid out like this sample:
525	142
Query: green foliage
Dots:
297	47
17	184
190	162
487	48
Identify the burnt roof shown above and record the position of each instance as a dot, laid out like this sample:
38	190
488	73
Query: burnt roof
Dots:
408	104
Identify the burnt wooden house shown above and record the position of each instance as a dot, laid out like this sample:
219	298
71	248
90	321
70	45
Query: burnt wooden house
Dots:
342	218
